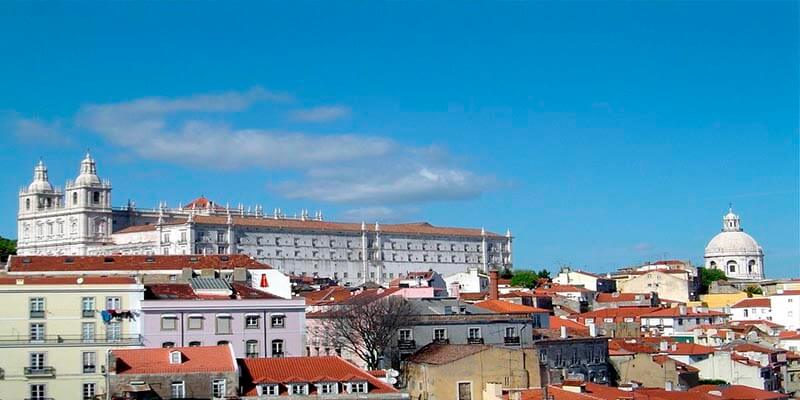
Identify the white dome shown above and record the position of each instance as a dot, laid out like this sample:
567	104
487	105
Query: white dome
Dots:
40	186
733	242
87	180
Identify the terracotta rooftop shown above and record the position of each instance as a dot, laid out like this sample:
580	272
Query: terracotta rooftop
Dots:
560	289
157	360
201	203
753	302
737	392
500	306
440	354
137	228
789	335
572	327
788	293
414	228
130	263
619	312
184	291
67	280
306	370
328	294
756	348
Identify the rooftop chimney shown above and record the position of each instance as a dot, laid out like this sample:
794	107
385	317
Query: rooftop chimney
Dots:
682	310
663	346
574	386
592	330
493	291
563	332
455	289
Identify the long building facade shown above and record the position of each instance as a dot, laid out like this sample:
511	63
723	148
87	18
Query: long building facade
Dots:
80	220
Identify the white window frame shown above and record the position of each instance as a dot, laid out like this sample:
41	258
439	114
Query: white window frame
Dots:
435	330
175	357
474	329
219	388
88	394
357	387
270	389
113	303
327	388
277	317
293	389
248	318
194	318
458	384
405	330
177	389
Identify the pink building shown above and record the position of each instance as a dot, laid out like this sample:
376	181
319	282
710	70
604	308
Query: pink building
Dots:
209	312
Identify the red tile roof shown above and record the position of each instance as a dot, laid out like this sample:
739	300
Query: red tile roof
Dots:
737	392
157	360
440	354
755	348
473	296
788	293
679	366
688	349
184	291
416	228
789	335
130	263
560	289
500	306
306	370
328	294
619	313
754	302
572	327
68	280
203	202
137	228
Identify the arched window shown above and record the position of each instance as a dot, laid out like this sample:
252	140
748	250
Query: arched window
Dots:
195	344
48	202
27	204
222	343
74	198
712	265
96	197
251	349
751	266
732	266
168	345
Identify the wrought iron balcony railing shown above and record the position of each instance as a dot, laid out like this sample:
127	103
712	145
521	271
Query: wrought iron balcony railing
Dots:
55	340
40	372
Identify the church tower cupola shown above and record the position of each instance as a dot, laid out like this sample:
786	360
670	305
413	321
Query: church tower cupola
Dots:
731	222
40	184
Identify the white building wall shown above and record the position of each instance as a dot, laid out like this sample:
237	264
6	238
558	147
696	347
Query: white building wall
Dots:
786	310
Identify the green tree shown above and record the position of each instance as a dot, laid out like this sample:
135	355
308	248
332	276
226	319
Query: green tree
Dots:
506	273
7	247
751	290
708	276
525	279
544	273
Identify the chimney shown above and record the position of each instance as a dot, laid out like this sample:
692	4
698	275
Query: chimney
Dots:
592	330
682	310
574	386
455	289
674	347
493	291
663	346
563	332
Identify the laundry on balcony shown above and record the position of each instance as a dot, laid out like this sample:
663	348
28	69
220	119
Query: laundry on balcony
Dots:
115	315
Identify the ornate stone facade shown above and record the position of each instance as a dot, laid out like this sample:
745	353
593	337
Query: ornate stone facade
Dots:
81	221
735	252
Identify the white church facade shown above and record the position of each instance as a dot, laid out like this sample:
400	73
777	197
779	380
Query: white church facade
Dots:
80	220
734	251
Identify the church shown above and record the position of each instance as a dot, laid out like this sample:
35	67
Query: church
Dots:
80	220
735	252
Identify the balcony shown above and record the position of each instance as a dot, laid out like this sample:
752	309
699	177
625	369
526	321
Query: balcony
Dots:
406	345
475	340
50	340
37	313
511	341
89	369
278	355
441	341
39	398
87	313
40	372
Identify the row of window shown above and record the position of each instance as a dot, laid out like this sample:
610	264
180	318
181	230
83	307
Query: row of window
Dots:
223	323
38	362
473	332
251	347
47	202
564	357
37	332
178	388
98	227
38	391
37	308
322	388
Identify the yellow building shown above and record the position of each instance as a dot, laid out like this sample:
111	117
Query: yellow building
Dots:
55	333
718	301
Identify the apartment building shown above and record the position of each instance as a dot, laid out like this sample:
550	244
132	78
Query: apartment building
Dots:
56	331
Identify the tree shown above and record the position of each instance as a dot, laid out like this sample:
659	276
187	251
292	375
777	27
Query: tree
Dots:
366	326
751	290
544	274
708	276
7	247
525	279
506	273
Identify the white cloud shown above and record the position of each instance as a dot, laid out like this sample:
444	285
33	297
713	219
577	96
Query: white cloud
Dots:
321	114
37	130
343	168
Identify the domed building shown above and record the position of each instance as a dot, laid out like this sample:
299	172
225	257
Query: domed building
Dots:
735	252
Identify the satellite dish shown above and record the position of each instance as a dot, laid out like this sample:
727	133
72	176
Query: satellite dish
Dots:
393	373
80	280
391	380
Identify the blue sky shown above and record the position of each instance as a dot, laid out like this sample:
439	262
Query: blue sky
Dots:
602	134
